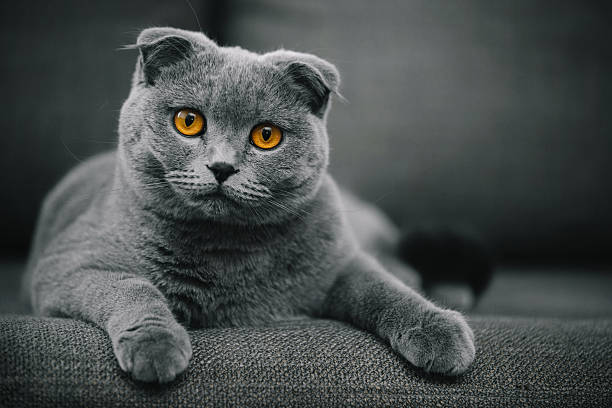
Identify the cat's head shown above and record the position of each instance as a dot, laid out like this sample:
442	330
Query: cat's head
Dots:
224	133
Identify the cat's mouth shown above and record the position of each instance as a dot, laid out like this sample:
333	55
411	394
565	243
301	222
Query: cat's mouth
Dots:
213	194
218	195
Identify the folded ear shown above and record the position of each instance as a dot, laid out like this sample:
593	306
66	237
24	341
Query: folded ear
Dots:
312	78
161	47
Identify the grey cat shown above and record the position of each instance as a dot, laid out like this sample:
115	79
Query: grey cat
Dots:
217	210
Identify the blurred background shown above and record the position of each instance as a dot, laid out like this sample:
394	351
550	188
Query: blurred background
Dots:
489	114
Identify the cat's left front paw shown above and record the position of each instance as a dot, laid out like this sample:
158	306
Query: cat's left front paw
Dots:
442	343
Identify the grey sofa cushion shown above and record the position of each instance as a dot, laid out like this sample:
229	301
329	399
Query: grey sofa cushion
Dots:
520	362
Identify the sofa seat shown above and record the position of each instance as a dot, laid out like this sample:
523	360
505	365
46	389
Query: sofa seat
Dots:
563	357
520	362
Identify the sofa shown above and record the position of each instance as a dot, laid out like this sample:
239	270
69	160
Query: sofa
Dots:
543	338
489	115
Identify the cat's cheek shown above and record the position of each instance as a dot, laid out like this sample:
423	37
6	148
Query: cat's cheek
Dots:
184	142
314	161
172	152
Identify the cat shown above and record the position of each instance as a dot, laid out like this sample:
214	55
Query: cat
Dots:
217	210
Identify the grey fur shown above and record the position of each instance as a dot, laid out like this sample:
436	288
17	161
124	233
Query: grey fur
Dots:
131	241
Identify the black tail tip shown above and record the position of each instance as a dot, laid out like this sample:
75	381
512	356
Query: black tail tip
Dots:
448	255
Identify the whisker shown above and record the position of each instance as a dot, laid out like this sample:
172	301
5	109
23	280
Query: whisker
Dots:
194	14
74	156
180	173
91	140
243	195
265	190
268	235
287	209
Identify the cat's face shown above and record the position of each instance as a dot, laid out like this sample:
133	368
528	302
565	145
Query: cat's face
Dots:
223	133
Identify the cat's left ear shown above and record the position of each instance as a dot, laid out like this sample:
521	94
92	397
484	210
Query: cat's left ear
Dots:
313	78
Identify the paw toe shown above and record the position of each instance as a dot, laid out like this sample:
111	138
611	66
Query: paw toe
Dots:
416	347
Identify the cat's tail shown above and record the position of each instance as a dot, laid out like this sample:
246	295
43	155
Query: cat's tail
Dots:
455	265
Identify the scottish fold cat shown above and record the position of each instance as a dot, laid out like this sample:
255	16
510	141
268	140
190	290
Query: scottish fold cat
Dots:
216	210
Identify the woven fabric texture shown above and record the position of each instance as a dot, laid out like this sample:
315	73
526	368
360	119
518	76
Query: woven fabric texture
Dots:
520	362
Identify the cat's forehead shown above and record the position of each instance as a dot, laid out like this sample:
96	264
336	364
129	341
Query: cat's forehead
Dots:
231	84
242	71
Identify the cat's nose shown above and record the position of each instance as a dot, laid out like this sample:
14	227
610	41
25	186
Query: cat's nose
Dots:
222	171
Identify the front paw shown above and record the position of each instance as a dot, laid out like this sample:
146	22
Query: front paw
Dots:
153	352
442	343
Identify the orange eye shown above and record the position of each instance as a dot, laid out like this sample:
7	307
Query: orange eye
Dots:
189	122
266	136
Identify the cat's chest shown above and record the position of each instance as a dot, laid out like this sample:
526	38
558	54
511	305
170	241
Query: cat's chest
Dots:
207	268
228	287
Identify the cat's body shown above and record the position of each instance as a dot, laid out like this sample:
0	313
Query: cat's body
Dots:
161	229
211	273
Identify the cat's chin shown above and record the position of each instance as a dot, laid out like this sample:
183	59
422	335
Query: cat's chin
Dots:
215	205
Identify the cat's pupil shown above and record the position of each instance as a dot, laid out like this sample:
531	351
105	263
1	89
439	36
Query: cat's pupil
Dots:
266	133
189	119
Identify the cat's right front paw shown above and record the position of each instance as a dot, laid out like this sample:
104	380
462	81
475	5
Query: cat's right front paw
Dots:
153	352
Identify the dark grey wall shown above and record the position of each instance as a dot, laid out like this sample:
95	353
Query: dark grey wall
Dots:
493	114
63	81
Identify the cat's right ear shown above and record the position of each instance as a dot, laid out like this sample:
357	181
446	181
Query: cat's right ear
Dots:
161	47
